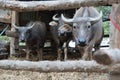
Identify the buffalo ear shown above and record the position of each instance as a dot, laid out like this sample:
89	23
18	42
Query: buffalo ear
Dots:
55	18
53	23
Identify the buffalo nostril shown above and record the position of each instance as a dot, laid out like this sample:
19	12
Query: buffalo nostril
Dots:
22	40
82	42
58	31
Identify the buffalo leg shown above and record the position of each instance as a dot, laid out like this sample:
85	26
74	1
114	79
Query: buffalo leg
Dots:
27	54
81	50
39	53
66	50
65	53
97	47
90	53
59	54
85	56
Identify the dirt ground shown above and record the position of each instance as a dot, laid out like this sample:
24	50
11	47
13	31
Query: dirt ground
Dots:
28	75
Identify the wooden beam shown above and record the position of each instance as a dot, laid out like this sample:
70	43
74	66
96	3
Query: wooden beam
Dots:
5	16
5	20
58	66
10	33
107	57
52	5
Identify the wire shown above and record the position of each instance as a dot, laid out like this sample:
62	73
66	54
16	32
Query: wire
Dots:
4	30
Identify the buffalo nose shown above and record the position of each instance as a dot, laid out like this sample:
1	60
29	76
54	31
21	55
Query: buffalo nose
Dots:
82	42
22	40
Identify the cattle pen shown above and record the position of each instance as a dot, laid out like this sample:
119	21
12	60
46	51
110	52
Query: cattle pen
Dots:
109	59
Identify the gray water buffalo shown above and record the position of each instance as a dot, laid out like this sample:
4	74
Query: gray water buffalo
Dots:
62	34
87	30
33	34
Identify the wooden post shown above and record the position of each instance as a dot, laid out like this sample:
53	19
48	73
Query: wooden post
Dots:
13	41
114	76
107	56
115	35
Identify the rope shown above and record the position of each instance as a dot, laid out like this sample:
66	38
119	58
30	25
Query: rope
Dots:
4	30
114	23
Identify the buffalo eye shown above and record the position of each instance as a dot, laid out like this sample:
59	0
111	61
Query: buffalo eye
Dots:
74	27
88	26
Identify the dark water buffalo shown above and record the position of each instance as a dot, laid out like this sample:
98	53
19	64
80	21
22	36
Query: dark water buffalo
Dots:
87	30
33	34
62	34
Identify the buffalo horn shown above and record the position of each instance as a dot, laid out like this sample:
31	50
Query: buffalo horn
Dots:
15	26
66	19
30	26
96	18
55	18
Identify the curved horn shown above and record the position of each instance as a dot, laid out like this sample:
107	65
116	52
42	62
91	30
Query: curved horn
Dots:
31	26
16	27
96	18
65	19
55	18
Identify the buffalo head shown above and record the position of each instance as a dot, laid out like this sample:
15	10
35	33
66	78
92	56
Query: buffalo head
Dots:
24	32
65	30
83	27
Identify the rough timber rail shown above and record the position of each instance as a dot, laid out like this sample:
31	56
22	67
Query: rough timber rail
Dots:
54	66
52	5
58	66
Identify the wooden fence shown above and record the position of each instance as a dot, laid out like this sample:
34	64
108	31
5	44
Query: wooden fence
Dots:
110	57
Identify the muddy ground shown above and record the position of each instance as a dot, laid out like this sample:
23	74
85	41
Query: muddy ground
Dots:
28	75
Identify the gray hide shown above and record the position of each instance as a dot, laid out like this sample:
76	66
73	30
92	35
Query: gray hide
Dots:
87	30
33	34
62	34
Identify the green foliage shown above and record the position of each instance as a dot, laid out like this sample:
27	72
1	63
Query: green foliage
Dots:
4	38
106	12
106	26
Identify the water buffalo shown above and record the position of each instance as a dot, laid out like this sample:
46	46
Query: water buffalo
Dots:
33	34
62	34
87	30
